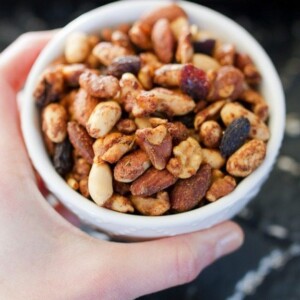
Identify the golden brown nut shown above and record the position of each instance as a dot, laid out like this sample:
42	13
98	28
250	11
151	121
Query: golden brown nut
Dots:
220	188
211	134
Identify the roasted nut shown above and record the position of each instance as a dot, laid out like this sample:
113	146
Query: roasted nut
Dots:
210	134
145	77
258	103
124	27
50	146
126	126
185	49
173	103
163	40
193	81
187	160
99	86
248	158
100	183
103	118
106	34
150	206
216	174
188	193
246	65
220	188
178	132
83	187
157	143
81	169
50	86
62	157
213	157
178	25
83	106
121	39
151	60
168	75
229	83
72	73
140	35
235	136
209	112
131	166
112	147
142	123
54	122
124	64
225	54
107	52
170	12
151	182
157	121
77	48
130	89
81	141
119	203
205	62
72	183
258	129
146	103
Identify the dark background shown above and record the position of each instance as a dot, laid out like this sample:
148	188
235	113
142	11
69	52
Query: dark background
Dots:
268	265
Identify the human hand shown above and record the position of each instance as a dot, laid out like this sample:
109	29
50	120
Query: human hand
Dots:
42	256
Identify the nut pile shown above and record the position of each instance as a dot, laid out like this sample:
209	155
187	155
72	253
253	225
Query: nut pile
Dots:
154	117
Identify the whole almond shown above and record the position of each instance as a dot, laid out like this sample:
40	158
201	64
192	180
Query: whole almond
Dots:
188	193
81	141
170	12
163	40
151	182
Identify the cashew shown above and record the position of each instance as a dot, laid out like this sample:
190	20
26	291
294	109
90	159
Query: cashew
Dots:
55	122
119	203
213	157
103	118
100	183
232	111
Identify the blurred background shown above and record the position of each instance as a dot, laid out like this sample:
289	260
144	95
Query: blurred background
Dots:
268	265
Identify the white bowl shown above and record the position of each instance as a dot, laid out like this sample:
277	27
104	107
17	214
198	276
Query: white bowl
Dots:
144	227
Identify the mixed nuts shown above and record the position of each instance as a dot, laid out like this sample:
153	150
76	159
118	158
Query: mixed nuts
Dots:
154	117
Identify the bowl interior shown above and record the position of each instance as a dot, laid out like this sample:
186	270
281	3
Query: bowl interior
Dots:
129	11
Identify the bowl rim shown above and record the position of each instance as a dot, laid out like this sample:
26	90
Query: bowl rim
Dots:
57	184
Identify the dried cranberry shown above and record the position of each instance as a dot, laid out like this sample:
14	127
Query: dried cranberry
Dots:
194	82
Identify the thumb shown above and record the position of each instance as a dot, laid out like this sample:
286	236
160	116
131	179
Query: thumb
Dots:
157	265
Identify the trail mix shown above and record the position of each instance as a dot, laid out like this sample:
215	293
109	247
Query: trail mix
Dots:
155	117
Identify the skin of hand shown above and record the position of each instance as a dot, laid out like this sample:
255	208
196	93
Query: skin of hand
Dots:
42	256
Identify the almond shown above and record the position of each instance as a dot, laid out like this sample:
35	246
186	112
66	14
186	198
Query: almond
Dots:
188	193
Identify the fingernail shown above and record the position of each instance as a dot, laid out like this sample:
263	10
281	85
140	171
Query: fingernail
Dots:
228	243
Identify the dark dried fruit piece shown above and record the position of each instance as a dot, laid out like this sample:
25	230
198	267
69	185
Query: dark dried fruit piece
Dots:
62	158
194	82
234	136
81	141
124	64
50	87
205	46
188	193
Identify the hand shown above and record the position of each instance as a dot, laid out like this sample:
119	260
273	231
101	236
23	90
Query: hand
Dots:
42	256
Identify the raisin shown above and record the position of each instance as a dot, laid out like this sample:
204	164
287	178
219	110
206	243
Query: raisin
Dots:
63	159
194	82
234	136
205	46
124	64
